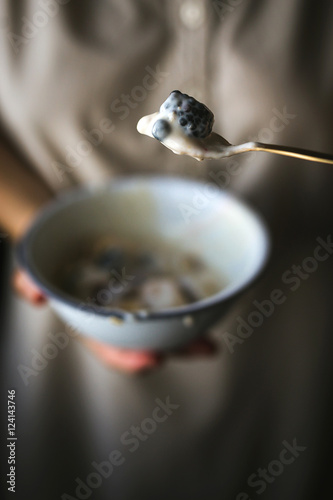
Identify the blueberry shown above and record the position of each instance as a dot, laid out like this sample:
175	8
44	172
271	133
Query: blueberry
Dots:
111	258
193	116
161	129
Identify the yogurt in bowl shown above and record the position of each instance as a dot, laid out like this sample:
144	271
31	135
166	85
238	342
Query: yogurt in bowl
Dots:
225	239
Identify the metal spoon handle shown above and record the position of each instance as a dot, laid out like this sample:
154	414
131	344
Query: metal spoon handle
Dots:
304	154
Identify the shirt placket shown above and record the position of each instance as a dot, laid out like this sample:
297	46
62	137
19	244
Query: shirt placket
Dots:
192	21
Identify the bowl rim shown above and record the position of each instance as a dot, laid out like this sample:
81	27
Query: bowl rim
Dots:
76	194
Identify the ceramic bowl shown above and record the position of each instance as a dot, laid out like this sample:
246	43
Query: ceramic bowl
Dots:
192	216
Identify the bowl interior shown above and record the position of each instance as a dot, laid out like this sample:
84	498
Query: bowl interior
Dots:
170	211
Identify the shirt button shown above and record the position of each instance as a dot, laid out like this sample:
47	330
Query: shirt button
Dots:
192	13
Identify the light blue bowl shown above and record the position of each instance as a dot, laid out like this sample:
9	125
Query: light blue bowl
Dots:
193	216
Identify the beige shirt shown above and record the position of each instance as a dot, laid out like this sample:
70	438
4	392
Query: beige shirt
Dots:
72	86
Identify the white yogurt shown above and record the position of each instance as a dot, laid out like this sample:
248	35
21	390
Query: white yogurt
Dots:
179	142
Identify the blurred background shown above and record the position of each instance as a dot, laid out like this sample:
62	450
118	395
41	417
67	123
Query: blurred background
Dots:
75	78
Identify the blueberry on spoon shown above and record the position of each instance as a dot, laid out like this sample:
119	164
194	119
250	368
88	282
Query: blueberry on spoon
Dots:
184	125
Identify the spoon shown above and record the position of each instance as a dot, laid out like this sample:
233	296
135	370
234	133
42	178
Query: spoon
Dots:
166	126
